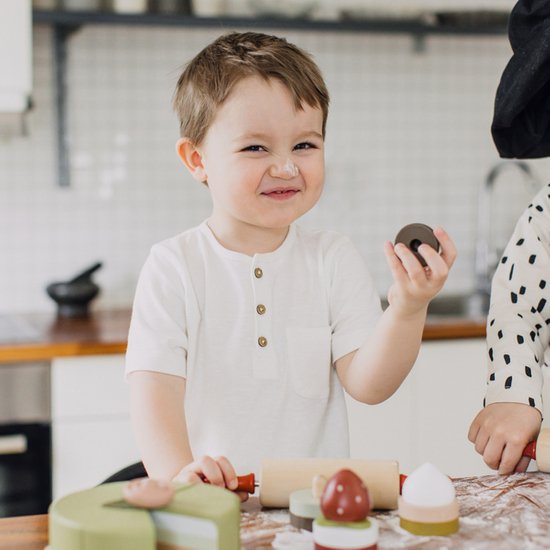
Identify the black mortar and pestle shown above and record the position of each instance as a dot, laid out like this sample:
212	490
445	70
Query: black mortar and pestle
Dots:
73	297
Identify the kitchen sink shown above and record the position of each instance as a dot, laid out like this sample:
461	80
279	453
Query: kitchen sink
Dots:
459	305
16	330
471	306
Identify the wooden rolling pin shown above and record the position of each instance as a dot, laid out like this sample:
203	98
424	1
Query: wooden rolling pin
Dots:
280	477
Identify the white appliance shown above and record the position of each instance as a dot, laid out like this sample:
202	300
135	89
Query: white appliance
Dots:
15	59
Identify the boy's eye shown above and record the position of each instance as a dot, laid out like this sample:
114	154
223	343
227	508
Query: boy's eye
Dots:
304	146
254	148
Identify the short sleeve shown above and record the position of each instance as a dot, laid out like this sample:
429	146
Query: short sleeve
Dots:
354	303
157	339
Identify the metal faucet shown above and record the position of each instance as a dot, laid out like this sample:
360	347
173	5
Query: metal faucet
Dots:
487	256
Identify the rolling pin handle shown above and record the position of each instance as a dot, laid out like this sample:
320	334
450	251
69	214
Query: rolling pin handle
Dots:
531	450
247	483
402	478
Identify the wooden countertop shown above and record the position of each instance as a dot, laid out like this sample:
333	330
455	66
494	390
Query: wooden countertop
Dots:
41	337
496	512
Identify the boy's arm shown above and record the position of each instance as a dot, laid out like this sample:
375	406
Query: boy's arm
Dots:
158	417
375	371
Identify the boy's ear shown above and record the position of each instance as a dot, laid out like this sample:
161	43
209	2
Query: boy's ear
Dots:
192	158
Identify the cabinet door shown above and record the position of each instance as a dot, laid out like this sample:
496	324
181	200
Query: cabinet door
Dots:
86	452
92	436
383	431
428	418
449	381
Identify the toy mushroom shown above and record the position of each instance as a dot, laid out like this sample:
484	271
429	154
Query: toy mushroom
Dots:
343	525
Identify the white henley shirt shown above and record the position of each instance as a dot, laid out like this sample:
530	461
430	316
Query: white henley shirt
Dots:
255	337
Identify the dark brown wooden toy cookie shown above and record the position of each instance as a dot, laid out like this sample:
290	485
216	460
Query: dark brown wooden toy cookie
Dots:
415	234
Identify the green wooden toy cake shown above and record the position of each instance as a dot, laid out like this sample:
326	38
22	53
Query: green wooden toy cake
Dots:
197	517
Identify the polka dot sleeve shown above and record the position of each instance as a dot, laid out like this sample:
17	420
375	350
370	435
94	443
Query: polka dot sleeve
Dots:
518	324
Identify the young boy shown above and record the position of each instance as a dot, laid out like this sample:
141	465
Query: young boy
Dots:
245	329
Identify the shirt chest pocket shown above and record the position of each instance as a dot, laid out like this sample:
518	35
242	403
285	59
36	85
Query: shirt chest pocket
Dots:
309	361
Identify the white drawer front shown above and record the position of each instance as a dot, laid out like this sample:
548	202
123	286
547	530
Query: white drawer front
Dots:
89	386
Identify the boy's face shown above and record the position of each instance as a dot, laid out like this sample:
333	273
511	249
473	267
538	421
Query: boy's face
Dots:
263	159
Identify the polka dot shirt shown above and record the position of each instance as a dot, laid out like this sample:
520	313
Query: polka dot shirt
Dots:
518	324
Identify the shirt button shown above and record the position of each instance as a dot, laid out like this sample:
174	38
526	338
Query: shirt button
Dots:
258	273
262	341
260	308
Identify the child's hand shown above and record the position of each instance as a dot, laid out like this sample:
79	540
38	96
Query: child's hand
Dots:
501	431
216	471
414	286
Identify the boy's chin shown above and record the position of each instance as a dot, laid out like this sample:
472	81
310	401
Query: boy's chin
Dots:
280	224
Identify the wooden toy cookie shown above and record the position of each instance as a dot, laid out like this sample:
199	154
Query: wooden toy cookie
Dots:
305	505
415	234
428	505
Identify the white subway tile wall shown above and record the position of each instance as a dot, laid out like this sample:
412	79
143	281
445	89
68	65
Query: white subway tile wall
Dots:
408	141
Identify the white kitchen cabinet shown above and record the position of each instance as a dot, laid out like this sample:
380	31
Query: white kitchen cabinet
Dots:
427	420
450	382
91	433
15	56
383	431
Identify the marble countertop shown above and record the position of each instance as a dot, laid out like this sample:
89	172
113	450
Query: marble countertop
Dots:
496	512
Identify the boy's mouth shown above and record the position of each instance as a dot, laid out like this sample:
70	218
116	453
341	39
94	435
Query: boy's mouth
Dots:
280	193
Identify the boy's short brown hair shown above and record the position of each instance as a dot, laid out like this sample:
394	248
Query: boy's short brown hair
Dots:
209	78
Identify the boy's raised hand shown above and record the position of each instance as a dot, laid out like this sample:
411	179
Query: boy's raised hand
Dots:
214	470
414	286
501	432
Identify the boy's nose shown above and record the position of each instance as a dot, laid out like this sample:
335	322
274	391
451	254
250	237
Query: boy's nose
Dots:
283	169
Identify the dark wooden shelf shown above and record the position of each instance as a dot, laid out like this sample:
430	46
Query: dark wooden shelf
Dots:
405	26
65	23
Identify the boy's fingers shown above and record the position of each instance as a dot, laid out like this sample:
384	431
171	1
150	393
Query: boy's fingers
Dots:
243	495
448	248
188	476
394	263
412	266
210	469
228	472
438	266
